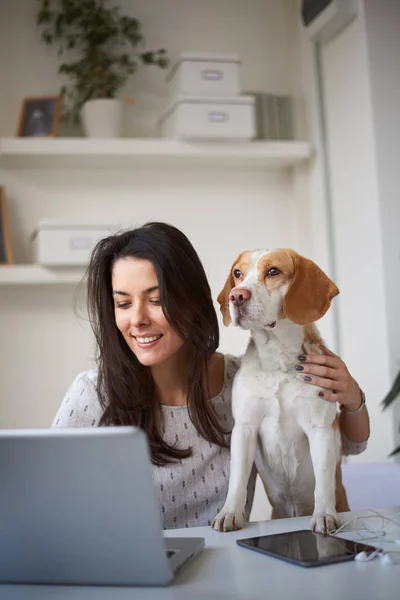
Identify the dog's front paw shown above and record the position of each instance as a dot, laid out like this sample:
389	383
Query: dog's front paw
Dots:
227	520
324	523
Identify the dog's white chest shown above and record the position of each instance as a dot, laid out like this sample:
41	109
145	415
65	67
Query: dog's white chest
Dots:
279	404
273	394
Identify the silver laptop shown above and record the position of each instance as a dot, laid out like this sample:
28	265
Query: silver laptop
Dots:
78	506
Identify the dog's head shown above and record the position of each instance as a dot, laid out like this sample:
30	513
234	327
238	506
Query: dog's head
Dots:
265	286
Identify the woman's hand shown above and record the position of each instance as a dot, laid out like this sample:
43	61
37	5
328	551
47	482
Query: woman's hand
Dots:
329	372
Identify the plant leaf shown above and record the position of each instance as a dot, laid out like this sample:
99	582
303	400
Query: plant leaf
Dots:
396	451
103	43
392	394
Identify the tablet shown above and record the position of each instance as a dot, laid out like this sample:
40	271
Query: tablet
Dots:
306	548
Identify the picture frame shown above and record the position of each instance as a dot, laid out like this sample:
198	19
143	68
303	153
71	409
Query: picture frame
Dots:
6	255
40	116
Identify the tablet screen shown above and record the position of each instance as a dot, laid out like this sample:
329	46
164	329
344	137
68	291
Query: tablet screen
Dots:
306	547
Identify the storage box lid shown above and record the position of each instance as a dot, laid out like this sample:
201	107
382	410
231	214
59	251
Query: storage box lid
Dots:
224	100
63	226
210	57
69	225
203	57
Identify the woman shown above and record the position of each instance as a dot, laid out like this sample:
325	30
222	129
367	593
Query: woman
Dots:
156	330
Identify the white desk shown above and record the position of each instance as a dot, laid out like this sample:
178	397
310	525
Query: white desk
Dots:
224	571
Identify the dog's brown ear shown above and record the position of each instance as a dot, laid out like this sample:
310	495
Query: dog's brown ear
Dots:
223	298
310	293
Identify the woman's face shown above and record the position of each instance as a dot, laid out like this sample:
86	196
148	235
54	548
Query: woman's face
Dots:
138	312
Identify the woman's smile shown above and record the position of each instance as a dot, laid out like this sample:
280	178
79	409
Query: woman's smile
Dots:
147	341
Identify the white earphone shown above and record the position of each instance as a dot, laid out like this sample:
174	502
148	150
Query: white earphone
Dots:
386	559
365	557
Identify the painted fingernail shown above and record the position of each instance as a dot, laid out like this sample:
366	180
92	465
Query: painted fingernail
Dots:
307	378
302	357
321	394
299	368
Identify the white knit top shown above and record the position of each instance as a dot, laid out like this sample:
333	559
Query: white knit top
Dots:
192	491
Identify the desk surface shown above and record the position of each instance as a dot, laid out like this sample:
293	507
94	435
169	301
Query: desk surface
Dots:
225	571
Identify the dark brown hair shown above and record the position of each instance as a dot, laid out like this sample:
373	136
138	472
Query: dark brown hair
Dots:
125	387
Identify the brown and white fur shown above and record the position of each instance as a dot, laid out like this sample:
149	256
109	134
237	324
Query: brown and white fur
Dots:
280	421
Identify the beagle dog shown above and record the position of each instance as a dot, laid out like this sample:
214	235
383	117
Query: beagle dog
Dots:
281	423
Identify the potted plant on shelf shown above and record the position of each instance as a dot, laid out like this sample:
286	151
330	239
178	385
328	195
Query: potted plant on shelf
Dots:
104	46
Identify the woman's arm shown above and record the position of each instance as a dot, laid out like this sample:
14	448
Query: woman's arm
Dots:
329	372
355	424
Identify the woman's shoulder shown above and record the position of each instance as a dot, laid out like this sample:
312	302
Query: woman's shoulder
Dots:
89	377
83	387
224	373
80	406
232	364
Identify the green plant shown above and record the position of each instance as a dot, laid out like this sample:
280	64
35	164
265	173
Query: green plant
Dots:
103	43
390	397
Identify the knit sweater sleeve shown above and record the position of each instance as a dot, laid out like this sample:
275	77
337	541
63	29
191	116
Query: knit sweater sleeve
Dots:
80	406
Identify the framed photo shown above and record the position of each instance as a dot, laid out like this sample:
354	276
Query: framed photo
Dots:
6	257
40	116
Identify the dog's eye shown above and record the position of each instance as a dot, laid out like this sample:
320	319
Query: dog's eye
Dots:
237	273
273	272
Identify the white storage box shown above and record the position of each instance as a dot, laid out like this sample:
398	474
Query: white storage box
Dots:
210	119
67	245
205	75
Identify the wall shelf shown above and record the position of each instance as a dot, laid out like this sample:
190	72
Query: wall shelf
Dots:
37	275
123	153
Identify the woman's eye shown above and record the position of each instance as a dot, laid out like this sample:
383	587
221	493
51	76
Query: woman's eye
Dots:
273	271
155	301
237	273
123	304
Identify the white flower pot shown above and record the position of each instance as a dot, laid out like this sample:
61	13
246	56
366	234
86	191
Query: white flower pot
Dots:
102	118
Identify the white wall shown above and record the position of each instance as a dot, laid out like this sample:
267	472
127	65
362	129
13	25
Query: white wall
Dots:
310	181
383	36
357	228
